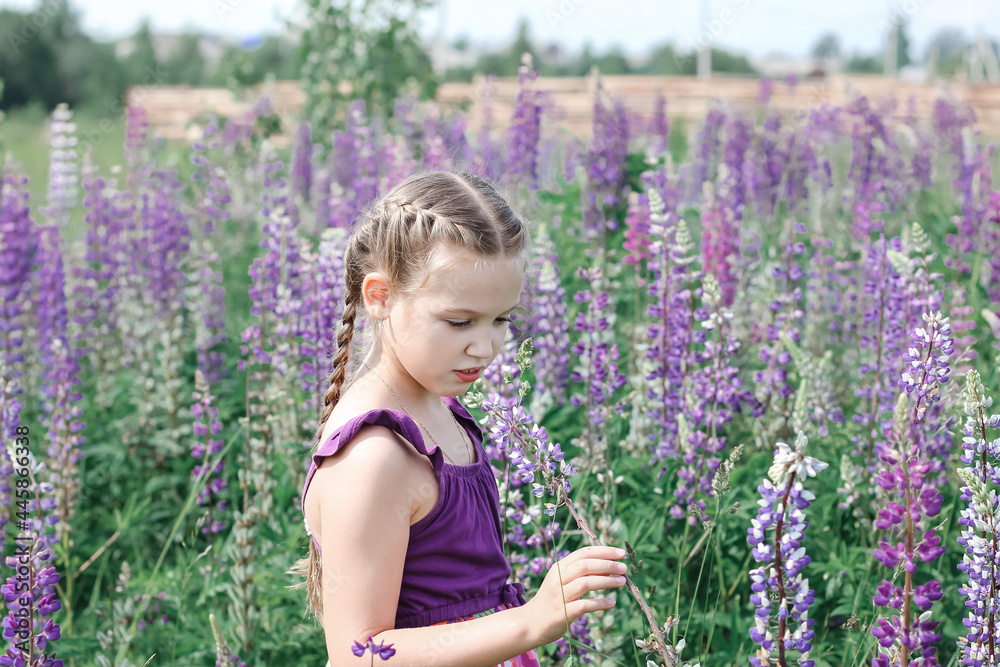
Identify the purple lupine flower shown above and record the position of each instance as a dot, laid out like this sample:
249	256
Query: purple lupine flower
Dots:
503	376
322	308
975	183
904	477
607	157
381	649
659	127
30	593
17	253
928	362
708	141
783	624
764	166
764	91
302	151
720	242
598	359
60	377
163	242
224	656
93	290
715	382
772	381
435	150
881	340
739	138
20	241
637	230
823	128
579	631
537	461
212	201
981	521
207	424
549	327
524	132
137	162
62	167
670	333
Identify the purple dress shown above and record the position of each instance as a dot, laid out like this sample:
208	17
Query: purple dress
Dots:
455	566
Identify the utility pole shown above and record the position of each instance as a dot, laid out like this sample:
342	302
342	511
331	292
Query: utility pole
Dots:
891	48
705	52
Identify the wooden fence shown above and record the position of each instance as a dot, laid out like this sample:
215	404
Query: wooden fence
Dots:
171	109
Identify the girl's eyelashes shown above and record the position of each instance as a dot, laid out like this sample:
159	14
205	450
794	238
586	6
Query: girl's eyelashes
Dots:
459	325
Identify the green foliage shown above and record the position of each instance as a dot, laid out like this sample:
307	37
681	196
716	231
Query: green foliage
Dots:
366	50
864	64
187	63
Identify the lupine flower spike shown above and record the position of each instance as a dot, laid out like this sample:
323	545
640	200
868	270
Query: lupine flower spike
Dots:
981	646
781	595
905	478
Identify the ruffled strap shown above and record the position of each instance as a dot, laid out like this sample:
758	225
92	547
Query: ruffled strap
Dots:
398	421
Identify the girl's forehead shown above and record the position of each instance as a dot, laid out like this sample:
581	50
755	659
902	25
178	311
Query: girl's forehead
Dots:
466	285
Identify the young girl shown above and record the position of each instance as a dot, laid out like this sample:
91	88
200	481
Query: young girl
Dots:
400	500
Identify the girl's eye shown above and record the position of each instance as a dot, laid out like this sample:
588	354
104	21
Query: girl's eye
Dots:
459	325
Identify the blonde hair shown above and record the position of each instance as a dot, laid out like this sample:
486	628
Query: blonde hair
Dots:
405	236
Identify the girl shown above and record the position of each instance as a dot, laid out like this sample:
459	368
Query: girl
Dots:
400	500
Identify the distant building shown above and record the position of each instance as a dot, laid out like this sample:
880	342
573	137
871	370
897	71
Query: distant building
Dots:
166	44
779	65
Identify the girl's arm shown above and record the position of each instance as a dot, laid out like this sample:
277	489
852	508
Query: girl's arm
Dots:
369	494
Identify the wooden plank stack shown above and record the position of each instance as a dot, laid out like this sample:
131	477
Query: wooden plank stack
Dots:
172	110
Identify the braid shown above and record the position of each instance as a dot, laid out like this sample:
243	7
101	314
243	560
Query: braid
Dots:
344	337
311	567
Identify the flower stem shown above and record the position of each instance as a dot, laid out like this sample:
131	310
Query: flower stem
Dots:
782	600
633	589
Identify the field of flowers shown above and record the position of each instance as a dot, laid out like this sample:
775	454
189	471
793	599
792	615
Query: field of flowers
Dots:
762	355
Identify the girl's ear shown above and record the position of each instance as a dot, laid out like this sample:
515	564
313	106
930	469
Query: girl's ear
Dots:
375	291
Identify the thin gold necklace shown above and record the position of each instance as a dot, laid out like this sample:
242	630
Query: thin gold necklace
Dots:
464	441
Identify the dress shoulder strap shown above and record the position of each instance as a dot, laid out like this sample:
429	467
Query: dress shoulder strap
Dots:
396	420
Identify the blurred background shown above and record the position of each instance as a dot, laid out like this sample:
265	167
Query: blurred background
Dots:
89	53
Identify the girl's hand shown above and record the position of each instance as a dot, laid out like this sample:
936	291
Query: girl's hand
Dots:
585	570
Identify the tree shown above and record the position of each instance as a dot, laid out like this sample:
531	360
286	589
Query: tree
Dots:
371	46
902	45
141	62
946	50
186	65
722	61
614	62
827	46
663	60
29	64
863	64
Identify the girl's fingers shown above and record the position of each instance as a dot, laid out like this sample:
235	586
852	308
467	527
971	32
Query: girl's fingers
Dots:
578	608
580	587
589	566
598	552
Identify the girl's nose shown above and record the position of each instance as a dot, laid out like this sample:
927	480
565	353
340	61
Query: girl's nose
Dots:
481	347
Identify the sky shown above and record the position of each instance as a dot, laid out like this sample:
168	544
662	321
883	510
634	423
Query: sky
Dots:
754	27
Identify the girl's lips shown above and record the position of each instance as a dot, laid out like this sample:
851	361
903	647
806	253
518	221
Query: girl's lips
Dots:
468	377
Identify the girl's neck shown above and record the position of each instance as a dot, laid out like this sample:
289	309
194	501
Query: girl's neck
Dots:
386	376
